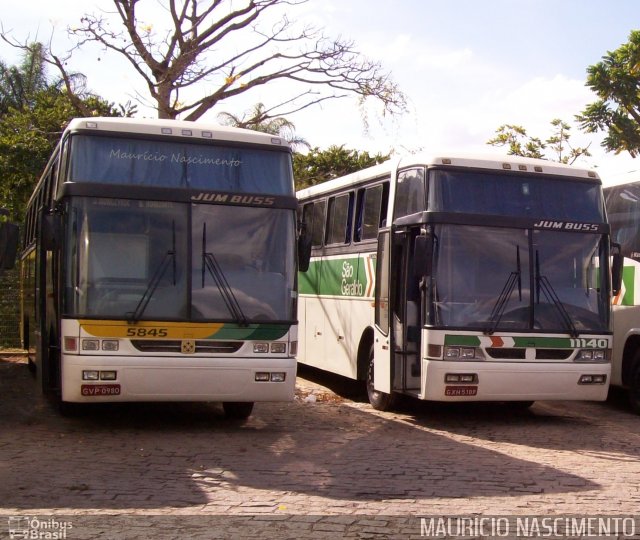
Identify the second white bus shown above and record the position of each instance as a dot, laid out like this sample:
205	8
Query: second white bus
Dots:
455	278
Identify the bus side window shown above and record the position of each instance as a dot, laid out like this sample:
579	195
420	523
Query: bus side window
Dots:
339	219
313	220
372	209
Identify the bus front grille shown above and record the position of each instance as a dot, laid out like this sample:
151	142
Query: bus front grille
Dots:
506	353
176	346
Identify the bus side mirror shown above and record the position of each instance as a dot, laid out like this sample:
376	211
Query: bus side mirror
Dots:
304	249
304	252
51	231
423	255
8	245
616	268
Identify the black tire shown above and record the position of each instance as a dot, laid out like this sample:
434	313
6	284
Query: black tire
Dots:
633	391
380	401
520	405
238	410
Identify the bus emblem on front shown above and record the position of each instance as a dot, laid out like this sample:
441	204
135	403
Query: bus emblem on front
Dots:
188	346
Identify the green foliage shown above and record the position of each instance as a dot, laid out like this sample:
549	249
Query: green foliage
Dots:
616	82
30	126
259	119
317	165
520	144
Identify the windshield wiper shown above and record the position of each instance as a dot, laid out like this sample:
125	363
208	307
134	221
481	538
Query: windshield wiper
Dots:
543	284
210	263
169	258
505	295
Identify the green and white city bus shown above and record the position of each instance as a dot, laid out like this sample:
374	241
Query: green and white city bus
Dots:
455	278
623	208
159	265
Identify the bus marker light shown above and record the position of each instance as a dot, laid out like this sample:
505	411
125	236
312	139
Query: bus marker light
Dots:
279	347
108	375
70	344
260	348
262	376
278	376
92	375
91	125
293	348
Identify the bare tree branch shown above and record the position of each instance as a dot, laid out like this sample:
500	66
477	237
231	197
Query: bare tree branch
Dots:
190	54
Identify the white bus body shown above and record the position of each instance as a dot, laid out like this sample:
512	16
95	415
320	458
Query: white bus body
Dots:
457	278
159	265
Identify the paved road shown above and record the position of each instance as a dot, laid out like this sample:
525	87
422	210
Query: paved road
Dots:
323	466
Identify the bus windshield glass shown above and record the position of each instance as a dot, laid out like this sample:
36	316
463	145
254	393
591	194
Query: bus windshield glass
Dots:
130	259
493	193
129	161
494	279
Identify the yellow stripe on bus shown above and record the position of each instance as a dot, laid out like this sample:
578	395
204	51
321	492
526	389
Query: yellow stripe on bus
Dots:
150	329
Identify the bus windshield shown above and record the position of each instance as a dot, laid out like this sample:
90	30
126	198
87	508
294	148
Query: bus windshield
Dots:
130	259
128	161
494	193
494	279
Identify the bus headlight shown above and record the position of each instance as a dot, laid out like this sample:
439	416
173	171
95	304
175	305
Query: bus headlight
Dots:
110	345
592	355
90	344
279	347
260	348
463	353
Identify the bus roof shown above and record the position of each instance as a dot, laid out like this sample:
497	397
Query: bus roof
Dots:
173	128
478	161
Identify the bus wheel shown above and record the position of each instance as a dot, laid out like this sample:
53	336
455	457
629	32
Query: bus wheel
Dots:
237	410
379	400
520	405
634	387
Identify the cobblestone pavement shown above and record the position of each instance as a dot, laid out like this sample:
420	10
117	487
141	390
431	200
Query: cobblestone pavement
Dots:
323	466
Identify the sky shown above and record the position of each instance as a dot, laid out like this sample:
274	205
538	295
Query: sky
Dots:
466	66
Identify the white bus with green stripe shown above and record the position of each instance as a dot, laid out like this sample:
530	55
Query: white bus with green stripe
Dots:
459	278
159	265
622	199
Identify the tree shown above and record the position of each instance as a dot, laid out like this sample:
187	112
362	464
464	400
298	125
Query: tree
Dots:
616	82
320	165
34	114
520	144
19	84
259	119
186	51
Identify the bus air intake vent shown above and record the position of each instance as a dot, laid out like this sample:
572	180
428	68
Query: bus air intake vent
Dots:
553	354
175	346
506	353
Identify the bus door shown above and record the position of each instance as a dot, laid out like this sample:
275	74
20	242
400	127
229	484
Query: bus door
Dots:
405	314
47	321
382	368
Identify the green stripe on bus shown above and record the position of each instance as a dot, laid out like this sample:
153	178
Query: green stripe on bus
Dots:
266	332
543	342
461	340
335	277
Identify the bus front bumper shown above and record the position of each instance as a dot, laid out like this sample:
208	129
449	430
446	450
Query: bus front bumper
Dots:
93	379
447	381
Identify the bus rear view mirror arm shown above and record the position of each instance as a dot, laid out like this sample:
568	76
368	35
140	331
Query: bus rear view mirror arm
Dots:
616	268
